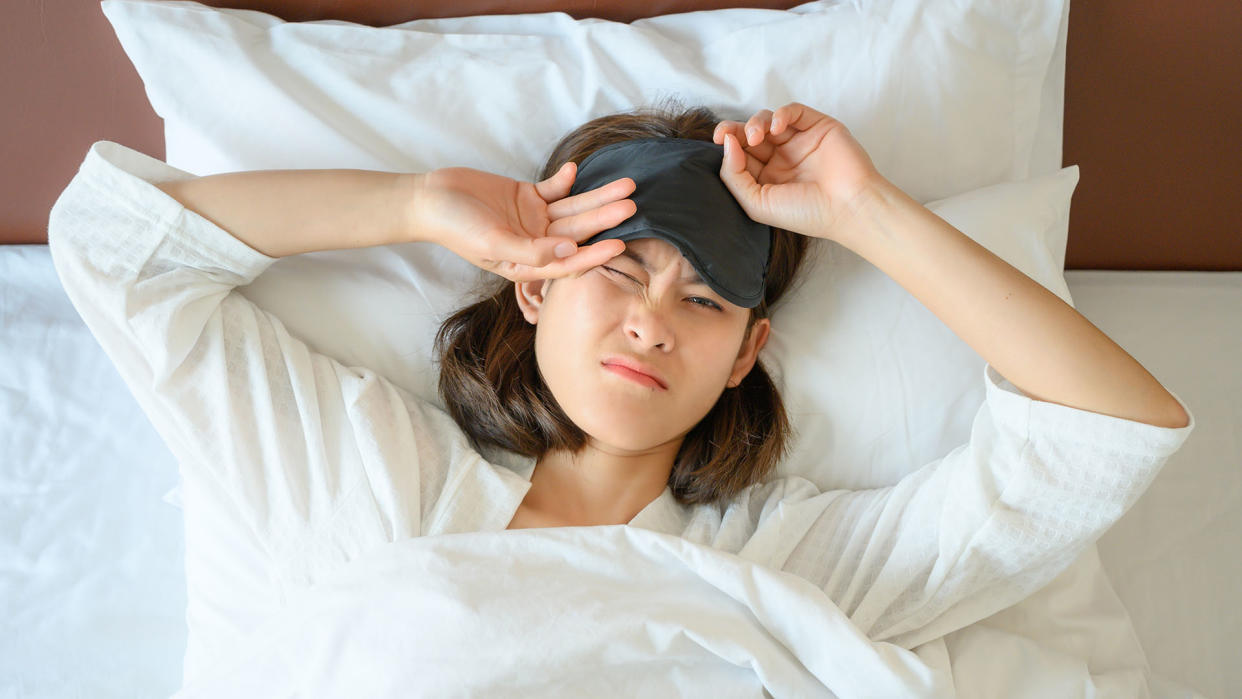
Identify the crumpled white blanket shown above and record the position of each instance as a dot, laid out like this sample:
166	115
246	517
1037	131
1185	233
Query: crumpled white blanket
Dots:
573	612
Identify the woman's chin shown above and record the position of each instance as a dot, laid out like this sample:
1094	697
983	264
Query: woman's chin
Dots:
626	435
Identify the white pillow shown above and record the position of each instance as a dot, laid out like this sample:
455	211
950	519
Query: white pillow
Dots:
945	96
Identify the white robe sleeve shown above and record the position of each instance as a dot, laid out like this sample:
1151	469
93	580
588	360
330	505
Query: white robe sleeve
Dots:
981	528
323	460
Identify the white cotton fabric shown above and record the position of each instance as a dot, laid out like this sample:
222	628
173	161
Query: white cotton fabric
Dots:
327	462
613	611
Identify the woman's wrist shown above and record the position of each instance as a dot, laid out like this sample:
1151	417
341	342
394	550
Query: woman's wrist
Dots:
411	187
863	215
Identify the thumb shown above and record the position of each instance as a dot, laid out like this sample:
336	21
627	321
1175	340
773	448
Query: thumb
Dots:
740	183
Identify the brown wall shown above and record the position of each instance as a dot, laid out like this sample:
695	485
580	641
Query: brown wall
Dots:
67	84
1153	108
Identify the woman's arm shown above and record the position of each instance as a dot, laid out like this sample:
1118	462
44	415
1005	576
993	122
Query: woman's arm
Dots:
287	212
299	441
1033	338
803	171
519	230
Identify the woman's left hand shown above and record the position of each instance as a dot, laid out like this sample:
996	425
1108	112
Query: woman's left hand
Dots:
797	169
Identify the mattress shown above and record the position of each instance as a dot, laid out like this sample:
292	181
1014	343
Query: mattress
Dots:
92	586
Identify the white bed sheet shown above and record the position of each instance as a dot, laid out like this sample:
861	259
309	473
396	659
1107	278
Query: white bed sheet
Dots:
92	592
92	581
1176	558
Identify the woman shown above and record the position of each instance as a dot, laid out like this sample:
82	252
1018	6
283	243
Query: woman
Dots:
323	462
532	368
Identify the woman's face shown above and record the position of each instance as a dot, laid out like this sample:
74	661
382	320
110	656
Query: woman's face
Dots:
646	305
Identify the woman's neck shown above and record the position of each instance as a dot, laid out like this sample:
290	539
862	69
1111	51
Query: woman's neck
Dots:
597	486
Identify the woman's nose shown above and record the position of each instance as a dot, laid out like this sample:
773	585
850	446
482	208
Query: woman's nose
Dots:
650	327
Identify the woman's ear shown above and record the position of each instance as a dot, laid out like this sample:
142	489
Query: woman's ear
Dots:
748	354
530	297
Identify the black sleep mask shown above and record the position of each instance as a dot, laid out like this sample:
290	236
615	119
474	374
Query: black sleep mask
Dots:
681	199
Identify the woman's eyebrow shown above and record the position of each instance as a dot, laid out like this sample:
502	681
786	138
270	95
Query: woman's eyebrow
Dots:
693	277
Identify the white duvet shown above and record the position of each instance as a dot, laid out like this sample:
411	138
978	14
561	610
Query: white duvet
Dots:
619	611
572	612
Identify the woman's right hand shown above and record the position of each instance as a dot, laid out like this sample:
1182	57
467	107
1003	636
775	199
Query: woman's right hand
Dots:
798	169
515	229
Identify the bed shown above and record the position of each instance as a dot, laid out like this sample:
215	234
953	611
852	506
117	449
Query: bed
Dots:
107	567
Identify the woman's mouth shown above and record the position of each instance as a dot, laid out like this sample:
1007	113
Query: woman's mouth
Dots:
634	376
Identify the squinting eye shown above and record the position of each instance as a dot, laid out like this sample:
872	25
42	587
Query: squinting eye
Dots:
610	269
706	302
697	300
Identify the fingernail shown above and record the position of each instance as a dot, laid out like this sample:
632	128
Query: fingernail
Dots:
565	249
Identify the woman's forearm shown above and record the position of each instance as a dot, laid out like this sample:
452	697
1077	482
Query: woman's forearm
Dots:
287	212
1028	334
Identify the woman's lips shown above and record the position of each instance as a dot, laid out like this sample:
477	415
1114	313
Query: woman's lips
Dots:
634	376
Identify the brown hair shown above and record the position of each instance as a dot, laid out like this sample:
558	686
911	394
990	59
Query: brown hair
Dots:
490	380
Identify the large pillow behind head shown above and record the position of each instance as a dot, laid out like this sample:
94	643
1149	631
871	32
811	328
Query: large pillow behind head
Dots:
945	97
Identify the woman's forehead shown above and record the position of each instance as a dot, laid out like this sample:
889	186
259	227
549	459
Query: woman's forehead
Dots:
659	253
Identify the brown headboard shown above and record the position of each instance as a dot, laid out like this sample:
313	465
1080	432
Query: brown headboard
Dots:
1152	111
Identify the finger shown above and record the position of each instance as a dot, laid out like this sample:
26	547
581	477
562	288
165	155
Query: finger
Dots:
558	185
560	238
737	178
592	199
762	152
757	127
581	226
778	131
754	165
586	258
796	116
509	247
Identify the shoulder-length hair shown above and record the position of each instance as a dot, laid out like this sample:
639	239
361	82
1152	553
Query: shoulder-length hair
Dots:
490	381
